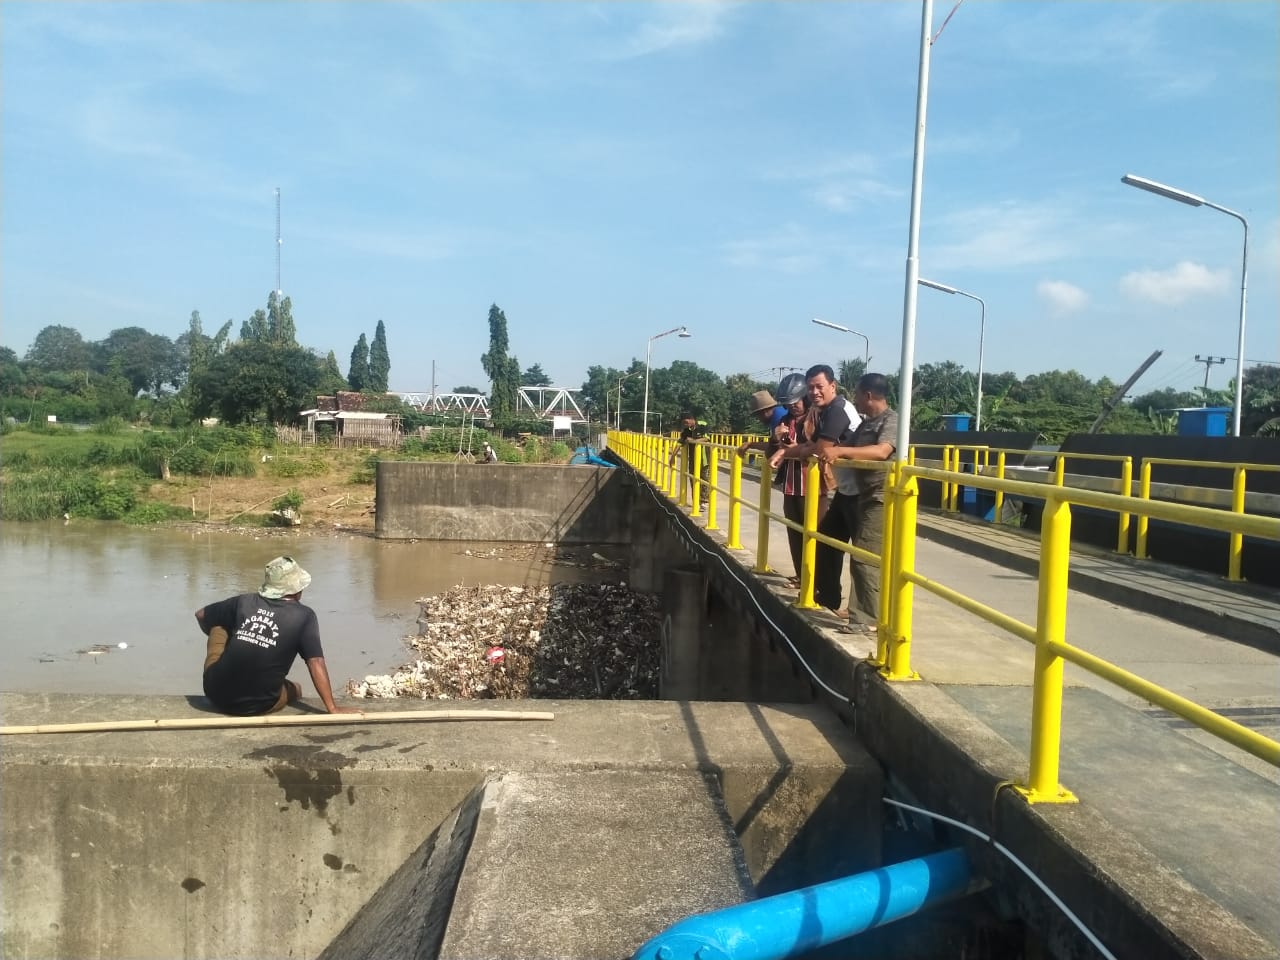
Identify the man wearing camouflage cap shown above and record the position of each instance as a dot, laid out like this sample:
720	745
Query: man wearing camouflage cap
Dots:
253	640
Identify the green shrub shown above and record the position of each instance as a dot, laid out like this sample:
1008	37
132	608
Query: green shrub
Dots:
558	452
292	500
290	467
149	513
113	499
110	427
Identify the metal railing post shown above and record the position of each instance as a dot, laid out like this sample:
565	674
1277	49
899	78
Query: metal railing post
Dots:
809	552
1126	490
683	456
696	478
997	514
735	502
1144	491
946	486
674	464
713	494
1059	470
888	562
895	651
762	520
1235	552
1051	627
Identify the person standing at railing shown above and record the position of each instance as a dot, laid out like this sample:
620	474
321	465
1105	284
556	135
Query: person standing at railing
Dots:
834	422
800	426
857	509
770	413
691	430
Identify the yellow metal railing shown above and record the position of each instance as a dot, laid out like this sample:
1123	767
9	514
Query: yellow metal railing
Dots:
666	463
1235	543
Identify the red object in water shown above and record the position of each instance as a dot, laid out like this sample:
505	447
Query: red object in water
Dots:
495	655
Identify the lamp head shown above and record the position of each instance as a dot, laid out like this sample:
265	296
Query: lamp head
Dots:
935	285
1173	193
833	326
684	333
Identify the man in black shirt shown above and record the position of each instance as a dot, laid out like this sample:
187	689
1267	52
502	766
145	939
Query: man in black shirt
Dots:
253	640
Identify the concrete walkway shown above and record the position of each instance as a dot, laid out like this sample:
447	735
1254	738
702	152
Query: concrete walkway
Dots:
1202	807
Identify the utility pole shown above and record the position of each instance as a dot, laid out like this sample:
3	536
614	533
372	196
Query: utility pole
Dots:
782	370
1208	362
433	386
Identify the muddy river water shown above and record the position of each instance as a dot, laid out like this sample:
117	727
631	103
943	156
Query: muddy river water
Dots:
66	589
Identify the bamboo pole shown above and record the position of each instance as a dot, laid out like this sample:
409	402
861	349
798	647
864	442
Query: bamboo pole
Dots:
220	721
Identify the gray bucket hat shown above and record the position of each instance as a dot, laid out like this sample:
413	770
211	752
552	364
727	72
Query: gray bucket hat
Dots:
283	578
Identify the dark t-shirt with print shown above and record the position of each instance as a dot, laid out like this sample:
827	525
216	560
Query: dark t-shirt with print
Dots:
263	638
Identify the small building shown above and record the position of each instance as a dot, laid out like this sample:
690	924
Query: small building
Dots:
353	428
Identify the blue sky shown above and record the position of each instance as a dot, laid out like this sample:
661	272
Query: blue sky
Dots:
606	171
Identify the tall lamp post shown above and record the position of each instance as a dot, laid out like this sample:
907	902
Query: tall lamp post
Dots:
866	363
982	334
618	418
1173	193
648	355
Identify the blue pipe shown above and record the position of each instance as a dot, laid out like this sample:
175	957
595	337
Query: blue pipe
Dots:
791	924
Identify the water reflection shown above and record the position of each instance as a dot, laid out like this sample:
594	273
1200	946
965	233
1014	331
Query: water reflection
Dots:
65	588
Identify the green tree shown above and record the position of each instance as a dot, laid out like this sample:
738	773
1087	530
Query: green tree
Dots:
535	377
467	390
738	389
503	371
12	377
849	371
379	361
257	381
194	346
280	327
59	348
685	387
1166	398
331	379
358	369
146	360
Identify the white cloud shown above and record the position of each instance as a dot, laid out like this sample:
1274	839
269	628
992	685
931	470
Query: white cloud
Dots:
1062	297
842	196
788	250
1010	234
1175	285
674	25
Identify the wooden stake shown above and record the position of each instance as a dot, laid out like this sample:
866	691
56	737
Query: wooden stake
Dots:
219	721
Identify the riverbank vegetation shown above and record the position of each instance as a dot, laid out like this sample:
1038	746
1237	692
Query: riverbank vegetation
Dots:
211	474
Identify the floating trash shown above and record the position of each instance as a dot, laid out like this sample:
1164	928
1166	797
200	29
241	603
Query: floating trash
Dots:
567	641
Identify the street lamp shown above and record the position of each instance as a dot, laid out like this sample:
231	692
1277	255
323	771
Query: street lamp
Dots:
648	354
866	363
1173	193
618	389
982	334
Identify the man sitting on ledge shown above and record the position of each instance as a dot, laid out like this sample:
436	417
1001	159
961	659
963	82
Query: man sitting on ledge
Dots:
253	640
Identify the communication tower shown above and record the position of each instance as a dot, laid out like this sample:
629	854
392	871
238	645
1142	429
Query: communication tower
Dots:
279	244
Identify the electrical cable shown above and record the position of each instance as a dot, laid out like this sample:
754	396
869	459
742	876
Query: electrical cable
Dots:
1057	901
767	619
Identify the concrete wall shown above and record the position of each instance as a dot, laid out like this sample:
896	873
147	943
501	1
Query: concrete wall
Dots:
499	501
579	837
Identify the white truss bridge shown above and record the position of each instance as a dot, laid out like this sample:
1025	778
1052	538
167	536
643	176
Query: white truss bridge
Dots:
541	403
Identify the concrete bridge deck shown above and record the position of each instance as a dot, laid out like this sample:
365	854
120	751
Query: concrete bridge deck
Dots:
1165	809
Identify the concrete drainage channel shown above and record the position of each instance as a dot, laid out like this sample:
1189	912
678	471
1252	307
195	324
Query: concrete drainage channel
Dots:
582	837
